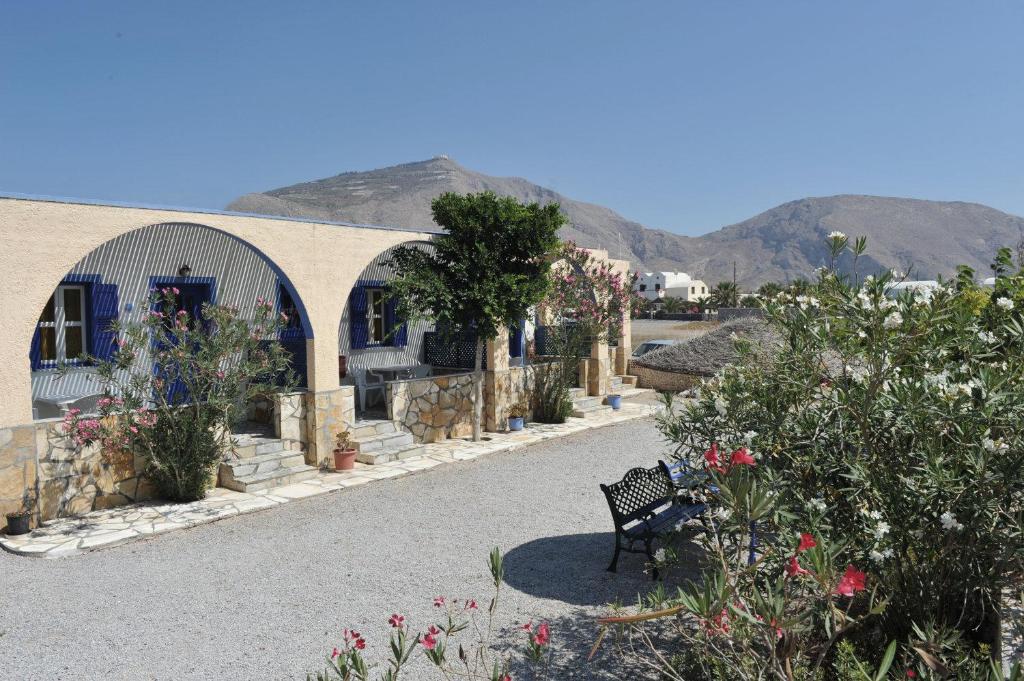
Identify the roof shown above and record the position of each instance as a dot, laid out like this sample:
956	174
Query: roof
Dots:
706	355
208	211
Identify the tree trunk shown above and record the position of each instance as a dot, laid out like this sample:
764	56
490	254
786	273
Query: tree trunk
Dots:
478	390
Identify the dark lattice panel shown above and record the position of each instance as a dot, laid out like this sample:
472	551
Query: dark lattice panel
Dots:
544	345
450	352
639	490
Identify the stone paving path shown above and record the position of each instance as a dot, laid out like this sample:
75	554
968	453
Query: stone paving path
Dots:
99	529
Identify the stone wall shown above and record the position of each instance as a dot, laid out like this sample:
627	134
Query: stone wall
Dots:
326	413
65	480
664	380
288	417
434	408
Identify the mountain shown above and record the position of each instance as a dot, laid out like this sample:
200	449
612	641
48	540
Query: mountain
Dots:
928	238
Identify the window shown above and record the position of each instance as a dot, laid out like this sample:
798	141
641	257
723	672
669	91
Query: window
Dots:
643	287
375	315
62	325
657	287
693	289
289	309
703	290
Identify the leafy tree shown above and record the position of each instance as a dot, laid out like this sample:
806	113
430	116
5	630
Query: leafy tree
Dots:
484	273
769	289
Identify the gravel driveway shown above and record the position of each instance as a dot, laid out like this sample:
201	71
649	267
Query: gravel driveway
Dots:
265	596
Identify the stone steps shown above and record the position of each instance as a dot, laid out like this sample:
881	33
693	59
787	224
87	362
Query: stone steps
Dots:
269	479
261	462
615	384
382	441
582	406
629	381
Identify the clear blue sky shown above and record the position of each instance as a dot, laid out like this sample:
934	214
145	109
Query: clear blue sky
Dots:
681	115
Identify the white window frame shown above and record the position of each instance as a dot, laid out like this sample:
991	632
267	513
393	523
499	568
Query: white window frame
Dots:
60	323
372	316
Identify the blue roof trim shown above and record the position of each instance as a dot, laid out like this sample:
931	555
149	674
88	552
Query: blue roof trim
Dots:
209	211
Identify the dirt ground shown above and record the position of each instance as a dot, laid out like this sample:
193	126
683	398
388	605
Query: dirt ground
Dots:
660	329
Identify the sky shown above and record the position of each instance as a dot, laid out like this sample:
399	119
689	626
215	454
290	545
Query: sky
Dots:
684	116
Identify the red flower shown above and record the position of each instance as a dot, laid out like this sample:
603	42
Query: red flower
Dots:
711	458
528	626
439	602
911	674
543	635
806	542
741	457
396	620
360	643
471	605
851	582
433	631
429	642
334	653
793	568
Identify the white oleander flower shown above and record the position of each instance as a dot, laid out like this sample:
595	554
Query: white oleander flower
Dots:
1005	303
721	407
875	515
880	556
659	555
993	446
881	529
949	522
723	513
893	321
818	505
987	336
836	234
748	437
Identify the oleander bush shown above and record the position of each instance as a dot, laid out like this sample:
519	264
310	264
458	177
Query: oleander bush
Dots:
875	453
177	382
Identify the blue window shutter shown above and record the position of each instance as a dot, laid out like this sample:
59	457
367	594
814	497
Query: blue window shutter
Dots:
515	340
397	332
104	308
358	331
35	350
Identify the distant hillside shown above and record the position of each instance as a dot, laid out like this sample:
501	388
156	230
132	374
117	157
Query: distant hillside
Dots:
781	244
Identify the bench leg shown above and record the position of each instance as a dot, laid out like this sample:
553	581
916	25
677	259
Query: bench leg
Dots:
615	559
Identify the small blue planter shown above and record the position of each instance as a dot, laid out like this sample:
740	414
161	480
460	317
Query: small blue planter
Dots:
615	401
515	422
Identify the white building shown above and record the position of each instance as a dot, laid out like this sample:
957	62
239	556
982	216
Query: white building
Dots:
656	285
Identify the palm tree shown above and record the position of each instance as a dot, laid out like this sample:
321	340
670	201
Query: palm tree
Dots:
671	304
769	289
726	294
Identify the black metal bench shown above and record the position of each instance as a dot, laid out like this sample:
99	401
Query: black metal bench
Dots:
645	505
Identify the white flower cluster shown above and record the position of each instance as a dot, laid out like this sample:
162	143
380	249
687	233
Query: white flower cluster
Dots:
993	446
881	529
836	234
949	522
880	556
721	407
1005	303
807	301
818	505
987	336
893	321
858	374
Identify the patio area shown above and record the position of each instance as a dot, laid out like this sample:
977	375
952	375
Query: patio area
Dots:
100	529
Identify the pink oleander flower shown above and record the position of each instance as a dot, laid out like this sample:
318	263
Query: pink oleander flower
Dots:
793	568
741	457
543	635
471	605
335	653
852	581
439	602
396	620
806	542
528	626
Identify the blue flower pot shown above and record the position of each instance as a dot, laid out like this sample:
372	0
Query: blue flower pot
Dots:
615	401
515	422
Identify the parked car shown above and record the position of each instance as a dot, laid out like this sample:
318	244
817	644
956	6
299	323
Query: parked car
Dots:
647	346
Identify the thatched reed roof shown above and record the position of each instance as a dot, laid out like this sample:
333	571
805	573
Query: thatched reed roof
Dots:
705	355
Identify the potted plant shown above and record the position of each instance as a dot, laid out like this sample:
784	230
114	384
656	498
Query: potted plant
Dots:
19	521
614	401
517	415
344	452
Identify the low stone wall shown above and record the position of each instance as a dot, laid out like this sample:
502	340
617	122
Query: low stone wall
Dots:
64	479
663	380
433	408
326	413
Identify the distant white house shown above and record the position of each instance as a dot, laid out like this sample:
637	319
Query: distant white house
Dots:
656	285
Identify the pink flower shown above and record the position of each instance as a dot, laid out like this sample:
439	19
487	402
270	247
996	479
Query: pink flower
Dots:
528	626
741	457
806	542
471	605
543	635
334	653
360	643
396	620
793	568
851	582
429	641
174	290
711	457
439	602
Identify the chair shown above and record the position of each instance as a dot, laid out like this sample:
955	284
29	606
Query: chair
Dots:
363	385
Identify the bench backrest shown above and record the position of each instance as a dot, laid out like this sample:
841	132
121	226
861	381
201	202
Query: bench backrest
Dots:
641	491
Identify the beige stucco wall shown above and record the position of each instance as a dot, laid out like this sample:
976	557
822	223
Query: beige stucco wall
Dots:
42	240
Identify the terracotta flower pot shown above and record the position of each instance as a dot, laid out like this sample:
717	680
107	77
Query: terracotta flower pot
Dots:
344	459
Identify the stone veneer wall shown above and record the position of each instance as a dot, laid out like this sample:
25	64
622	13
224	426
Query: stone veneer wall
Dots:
64	479
327	413
434	408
